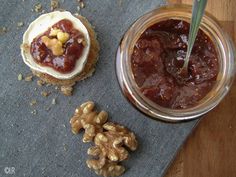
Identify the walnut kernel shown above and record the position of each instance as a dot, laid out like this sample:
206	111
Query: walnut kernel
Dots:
29	78
40	83
61	36
53	32
54	4
33	102
20	77
45	94
110	143
38	7
54	45
20	24
110	140
67	90
86	118
110	168
109	151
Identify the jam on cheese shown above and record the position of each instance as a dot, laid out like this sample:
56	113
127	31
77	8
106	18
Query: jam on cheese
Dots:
60	51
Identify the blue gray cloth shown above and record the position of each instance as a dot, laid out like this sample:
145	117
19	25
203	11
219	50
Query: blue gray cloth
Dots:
42	145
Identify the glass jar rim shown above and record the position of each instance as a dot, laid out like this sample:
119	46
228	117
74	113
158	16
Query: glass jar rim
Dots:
125	75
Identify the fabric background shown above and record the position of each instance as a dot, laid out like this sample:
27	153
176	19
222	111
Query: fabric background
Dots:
42	144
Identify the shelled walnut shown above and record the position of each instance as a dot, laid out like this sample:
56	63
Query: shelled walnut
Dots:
109	149
56	44
67	89
110	140
91	121
110	169
103	166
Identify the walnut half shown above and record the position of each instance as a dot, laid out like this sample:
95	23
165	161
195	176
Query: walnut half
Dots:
86	118
109	149
110	169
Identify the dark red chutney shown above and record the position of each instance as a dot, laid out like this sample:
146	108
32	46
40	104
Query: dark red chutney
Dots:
159	54
72	49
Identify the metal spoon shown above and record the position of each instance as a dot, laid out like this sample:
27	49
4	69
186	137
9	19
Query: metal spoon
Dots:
197	13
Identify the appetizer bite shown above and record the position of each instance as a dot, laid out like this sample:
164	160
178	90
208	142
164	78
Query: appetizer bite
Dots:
60	48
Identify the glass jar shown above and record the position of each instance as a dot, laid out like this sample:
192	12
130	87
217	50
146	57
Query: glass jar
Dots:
224	47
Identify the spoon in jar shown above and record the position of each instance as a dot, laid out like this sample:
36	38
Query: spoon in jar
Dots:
198	10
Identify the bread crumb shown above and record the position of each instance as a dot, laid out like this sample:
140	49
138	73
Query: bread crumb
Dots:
38	7
20	24
65	147
28	78
33	102
3	30
20	77
48	108
120	2
81	4
54	101
34	112
54	4
45	94
40	83
67	90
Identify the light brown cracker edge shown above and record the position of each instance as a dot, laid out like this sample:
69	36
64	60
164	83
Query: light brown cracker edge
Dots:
89	66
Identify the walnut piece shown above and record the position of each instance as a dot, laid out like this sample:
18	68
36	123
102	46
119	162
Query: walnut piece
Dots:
109	150
33	102
91	121
110	143
54	31
38	7
67	90
20	24
54	45
103	166
111	140
40	83
3	30
45	94
54	4
20	77
63	37
29	78
110	168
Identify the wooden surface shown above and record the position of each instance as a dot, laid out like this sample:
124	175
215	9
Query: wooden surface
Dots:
210	151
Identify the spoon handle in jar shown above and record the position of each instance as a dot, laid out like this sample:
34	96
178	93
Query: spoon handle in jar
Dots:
197	13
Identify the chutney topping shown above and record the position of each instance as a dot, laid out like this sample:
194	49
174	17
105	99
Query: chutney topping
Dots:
159	54
72	48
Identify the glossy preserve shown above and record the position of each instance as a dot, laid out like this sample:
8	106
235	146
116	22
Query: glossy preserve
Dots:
72	49
159	54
